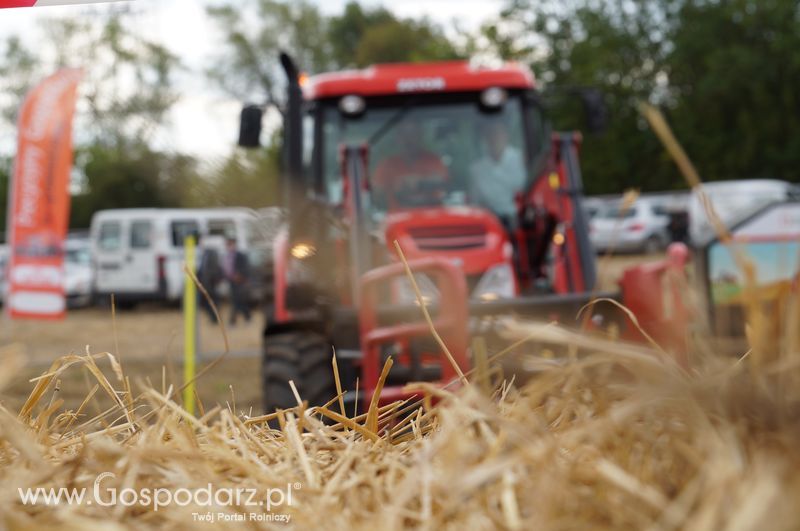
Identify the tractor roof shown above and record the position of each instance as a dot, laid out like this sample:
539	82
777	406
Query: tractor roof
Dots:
399	78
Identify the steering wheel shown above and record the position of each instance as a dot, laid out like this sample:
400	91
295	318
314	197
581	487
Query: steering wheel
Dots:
421	192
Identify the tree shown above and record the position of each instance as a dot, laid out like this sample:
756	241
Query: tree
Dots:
18	73
136	176
734	70
360	37
724	72
404	41
125	95
247	179
346	31
127	85
247	68
618	47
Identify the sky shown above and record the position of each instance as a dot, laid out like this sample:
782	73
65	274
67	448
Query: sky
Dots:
204	123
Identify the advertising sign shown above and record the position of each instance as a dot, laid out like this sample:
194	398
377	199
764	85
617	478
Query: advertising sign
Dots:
39	199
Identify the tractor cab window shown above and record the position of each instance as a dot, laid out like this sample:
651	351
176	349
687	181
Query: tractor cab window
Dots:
433	151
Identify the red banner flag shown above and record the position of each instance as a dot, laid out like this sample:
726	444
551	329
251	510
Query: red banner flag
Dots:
38	199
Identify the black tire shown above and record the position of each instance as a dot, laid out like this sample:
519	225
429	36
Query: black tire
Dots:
303	357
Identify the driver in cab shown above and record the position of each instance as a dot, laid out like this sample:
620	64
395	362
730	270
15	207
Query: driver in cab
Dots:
415	176
499	174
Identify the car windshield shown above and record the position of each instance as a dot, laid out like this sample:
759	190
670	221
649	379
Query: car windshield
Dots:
434	154
617	212
78	256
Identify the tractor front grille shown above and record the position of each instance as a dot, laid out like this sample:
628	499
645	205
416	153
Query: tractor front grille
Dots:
449	238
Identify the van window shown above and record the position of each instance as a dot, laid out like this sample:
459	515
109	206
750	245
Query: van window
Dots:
80	256
141	234
110	238
222	227
253	235
182	229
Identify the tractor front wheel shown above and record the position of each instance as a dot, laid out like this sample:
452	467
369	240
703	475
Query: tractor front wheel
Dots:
303	357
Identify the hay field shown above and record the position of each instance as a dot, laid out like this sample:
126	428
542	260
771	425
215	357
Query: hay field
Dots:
618	438
149	332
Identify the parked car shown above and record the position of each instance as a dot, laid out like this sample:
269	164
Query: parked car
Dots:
77	277
78	272
592	206
4	255
138	253
641	228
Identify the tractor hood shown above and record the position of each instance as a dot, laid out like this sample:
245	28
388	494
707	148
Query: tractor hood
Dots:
472	237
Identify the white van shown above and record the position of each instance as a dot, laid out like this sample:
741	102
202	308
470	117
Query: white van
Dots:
733	202
138	252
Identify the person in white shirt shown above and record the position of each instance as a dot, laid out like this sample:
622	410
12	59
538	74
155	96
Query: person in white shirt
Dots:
499	174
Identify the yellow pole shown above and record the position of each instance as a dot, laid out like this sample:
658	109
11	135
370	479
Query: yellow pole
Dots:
189	326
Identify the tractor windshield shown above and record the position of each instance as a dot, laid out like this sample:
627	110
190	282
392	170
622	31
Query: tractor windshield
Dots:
443	152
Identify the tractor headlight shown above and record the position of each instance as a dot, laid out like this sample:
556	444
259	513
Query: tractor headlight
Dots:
404	291
497	283
494	97
352	105
301	251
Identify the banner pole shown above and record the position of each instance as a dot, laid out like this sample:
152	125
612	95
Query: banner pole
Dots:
189	326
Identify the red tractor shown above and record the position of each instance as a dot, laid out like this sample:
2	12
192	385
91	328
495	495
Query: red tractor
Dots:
456	163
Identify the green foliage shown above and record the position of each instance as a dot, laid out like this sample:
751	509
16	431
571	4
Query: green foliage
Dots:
734	72
360	37
346	32
403	41
132	176
246	178
253	35
127	80
126	93
248	69
18	71
725	72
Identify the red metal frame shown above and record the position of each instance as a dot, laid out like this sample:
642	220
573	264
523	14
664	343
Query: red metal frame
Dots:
402	225
388	79
552	194
451	322
280	258
655	293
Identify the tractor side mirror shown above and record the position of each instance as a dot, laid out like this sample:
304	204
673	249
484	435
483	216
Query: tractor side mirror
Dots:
594	105
250	126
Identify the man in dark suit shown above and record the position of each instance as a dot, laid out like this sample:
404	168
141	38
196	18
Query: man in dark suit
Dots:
237	271
209	273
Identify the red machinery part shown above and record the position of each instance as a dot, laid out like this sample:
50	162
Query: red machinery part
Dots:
451	322
451	76
656	294
416	231
280	257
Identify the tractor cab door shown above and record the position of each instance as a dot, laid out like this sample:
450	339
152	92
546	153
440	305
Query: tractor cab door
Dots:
552	237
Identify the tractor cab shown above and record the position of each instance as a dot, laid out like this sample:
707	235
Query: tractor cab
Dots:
441	169
456	161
